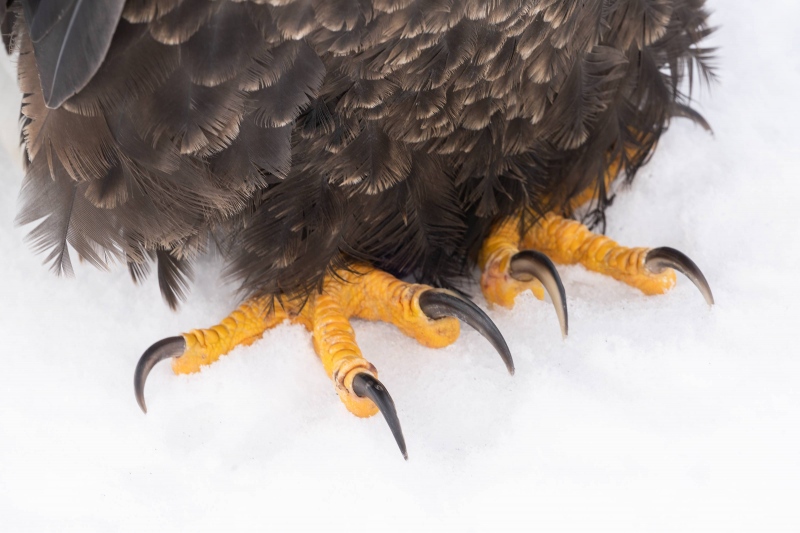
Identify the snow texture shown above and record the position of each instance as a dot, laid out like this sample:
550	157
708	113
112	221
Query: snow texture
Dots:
657	413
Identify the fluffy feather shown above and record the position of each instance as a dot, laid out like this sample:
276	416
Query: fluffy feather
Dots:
307	134
70	41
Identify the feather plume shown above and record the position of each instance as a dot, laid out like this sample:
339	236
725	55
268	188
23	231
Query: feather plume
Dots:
174	277
70	41
136	65
221	49
140	11
182	22
281	102
372	162
586	93
199	119
305	135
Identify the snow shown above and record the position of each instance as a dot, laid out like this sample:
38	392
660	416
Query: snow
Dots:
657	413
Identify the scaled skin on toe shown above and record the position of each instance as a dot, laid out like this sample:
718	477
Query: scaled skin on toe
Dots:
563	241
363	293
570	242
241	328
497	284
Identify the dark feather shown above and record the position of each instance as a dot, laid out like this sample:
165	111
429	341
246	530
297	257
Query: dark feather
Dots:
81	144
281	102
7	20
135	66
372	162
257	154
174	277
295	19
70	41
221	49
67	219
199	119
109	191
341	15
139	11
306	135
639	22
587	92
180	23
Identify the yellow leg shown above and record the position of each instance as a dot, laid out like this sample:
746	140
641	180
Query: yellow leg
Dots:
365	293
566	241
570	242
242	327
498	285
563	241
429	315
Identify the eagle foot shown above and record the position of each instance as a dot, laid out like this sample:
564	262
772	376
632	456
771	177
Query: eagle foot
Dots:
431	316
569	242
509	271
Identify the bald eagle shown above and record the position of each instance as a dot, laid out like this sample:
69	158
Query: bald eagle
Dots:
350	158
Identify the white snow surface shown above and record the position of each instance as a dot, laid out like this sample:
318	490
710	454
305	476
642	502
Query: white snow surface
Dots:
657	413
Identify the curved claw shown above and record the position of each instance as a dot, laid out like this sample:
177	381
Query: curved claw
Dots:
658	259
367	386
163	349
436	303
529	264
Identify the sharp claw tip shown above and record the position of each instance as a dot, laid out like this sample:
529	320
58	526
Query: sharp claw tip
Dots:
436	304
658	259
163	349
367	386
537	265
510	364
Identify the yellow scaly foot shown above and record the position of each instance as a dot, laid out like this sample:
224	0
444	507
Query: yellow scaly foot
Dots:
512	264
428	315
570	242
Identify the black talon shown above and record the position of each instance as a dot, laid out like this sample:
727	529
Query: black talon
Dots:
436	303
366	386
530	263
169	347
658	259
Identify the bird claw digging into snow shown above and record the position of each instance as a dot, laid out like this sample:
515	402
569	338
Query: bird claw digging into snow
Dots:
429	315
330	149
419	311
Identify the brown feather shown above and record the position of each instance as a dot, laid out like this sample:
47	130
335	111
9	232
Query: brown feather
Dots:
308	134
